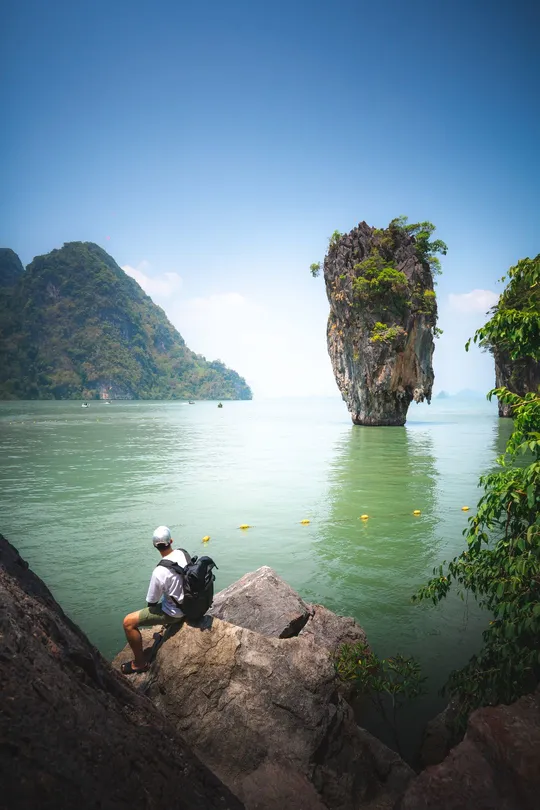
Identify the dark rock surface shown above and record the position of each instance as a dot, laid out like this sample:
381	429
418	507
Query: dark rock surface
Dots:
496	767
519	376
265	714
73	733
379	379
439	737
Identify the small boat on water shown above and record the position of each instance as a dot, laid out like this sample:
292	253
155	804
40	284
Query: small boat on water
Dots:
220	405
191	402
84	405
107	402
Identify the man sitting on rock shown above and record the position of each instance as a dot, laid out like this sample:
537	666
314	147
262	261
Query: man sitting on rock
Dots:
166	586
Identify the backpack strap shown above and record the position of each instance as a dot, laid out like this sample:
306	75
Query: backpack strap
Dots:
172	566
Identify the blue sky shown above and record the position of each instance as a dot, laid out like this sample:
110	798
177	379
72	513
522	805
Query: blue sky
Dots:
212	148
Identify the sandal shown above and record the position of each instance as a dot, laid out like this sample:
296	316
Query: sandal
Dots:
127	668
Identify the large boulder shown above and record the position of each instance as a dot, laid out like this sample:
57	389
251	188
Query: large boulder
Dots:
265	714
263	602
496	767
73	733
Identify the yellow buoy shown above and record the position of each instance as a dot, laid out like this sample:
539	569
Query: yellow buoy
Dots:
417	512
244	526
304	522
364	517
206	538
464	508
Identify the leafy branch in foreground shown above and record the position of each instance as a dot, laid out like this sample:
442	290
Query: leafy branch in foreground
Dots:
397	679
501	564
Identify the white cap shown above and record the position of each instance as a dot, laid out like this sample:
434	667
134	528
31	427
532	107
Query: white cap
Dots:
162	536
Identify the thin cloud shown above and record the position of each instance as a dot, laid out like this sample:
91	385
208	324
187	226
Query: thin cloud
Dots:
161	286
474	301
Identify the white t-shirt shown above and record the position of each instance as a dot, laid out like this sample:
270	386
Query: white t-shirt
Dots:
165	583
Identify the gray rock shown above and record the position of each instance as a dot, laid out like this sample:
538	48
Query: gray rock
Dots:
266	716
379	379
330	631
73	733
263	602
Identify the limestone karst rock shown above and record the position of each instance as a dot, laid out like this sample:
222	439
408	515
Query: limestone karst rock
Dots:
381	325
73	733
519	376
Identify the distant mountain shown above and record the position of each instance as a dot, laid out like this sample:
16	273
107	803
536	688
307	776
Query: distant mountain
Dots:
469	393
442	395
73	324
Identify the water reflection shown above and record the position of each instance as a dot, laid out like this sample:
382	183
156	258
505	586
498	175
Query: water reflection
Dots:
369	569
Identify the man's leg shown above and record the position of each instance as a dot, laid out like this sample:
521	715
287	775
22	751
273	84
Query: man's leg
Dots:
134	639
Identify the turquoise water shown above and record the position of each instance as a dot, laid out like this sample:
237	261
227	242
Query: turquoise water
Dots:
82	491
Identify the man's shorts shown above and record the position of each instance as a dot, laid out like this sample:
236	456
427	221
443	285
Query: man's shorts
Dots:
149	616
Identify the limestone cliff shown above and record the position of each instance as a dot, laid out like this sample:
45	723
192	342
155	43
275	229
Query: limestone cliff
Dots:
519	376
383	315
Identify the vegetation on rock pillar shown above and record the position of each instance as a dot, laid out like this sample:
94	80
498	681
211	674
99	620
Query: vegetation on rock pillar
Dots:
501	564
517	362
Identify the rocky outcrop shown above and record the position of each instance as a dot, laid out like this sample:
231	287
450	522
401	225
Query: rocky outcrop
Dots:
266	716
264	710
380	328
519	376
73	733
496	767
263	602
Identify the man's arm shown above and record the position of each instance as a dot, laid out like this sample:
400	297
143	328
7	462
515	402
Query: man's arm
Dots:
155	591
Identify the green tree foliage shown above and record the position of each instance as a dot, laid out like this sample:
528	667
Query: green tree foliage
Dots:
426	250
379	284
501	563
382	333
388	682
515	323
333	241
10	267
75	324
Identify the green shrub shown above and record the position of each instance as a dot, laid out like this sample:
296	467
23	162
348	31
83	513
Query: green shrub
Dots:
388	682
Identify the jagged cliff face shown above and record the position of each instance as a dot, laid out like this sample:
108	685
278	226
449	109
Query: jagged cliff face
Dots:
519	376
380	334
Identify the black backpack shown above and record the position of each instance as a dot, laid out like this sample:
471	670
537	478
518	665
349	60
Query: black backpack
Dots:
198	582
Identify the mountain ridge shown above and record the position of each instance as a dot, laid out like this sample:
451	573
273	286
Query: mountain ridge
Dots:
74	324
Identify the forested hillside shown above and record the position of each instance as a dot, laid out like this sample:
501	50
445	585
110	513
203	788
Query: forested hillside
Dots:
73	324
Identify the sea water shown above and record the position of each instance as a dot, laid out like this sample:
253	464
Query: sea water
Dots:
83	489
